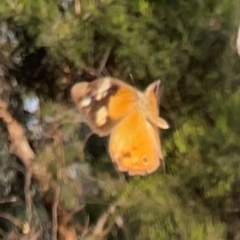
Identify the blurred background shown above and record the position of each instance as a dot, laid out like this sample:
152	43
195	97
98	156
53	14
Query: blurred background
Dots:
57	180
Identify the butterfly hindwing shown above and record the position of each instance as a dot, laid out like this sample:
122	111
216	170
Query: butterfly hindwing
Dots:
138	152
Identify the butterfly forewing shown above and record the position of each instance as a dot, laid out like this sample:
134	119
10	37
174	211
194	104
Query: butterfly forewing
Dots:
104	102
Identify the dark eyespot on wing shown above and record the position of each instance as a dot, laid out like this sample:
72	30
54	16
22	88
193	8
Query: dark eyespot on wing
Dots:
145	159
127	154
95	104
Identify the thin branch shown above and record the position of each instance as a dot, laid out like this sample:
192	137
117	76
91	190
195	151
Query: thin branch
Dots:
99	230
66	228
28	197
58	142
13	219
55	213
238	41
19	144
85	228
36	235
8	199
105	59
77	7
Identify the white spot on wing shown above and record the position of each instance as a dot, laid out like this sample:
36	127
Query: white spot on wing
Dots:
101	116
102	91
85	102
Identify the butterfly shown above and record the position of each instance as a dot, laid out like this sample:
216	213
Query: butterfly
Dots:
131	118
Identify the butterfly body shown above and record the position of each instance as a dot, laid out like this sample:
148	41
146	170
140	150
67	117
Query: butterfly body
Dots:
130	117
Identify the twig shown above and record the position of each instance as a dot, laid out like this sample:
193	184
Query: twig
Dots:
28	198
66	229
85	228
77	7
13	219
19	144
77	209
99	230
104	59
91	71
36	235
55	213
238	41
8	199
58	142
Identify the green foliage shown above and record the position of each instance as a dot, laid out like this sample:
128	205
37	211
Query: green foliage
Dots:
154	211
149	39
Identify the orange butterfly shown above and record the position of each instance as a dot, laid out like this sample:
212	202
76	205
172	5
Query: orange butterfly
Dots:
130	117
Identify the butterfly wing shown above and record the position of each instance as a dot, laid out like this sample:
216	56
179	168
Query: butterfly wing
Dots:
134	145
152	93
104	102
131	117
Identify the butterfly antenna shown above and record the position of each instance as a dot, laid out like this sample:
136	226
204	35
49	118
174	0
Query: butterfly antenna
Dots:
164	167
132	80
